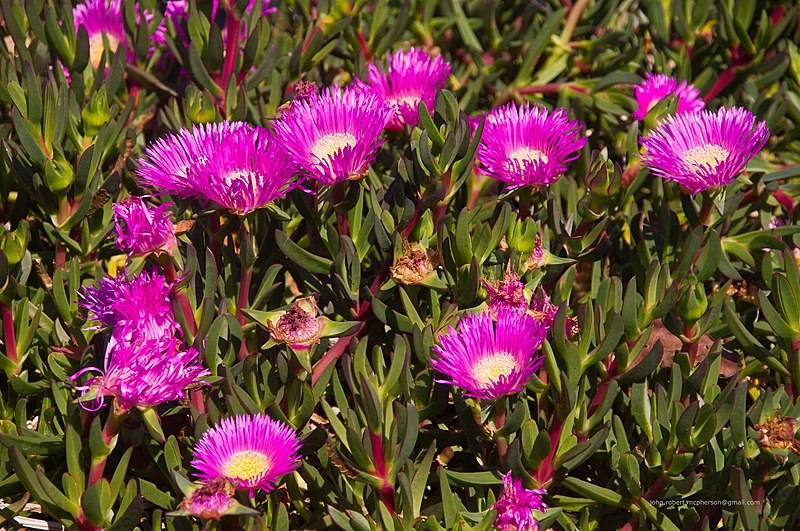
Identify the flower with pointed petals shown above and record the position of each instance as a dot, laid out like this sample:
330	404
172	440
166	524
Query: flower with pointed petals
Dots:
335	136
704	150
528	145
507	294
168	162
144	373
487	359
516	505
250	451
103	21
244	169
411	76
142	230
137	309
656	87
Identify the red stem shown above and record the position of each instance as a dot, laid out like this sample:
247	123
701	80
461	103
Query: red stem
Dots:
386	489
549	88
180	296
109	431
544	475
333	354
9	335
232	34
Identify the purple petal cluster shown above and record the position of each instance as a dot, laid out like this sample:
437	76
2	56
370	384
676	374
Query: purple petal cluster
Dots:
656	87
142	230
528	145
507	294
102	19
335	136
145	364
489	359
516	505
704	150
251	451
410	77
233	164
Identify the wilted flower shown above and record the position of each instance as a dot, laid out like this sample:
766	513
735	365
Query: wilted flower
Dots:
335	136
415	265
103	21
536	259
507	294
210	501
528	145
244	168
656	87
487	359
411	76
142	230
704	150
516	505
137	309
251	451
777	433
299	326
167	162
144	373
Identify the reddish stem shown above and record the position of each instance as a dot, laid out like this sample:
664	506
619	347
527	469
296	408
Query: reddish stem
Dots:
232	34
549	88
333	354
364	47
113	422
544	475
386	489
499	422
180	296
9	335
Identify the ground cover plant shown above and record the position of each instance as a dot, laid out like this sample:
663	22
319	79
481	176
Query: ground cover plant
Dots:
400	264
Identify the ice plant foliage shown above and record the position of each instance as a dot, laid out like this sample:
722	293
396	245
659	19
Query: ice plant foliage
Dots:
528	145
141	229
251	451
335	136
103	21
487	359
704	150
516	505
656	87
410	77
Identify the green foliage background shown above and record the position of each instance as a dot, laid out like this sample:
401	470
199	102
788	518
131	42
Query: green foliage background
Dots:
609	429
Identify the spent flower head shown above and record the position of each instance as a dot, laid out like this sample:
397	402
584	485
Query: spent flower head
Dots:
656	87
489	359
410	77
299	327
528	145
704	150
250	451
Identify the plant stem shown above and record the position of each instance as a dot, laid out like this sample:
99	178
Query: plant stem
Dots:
181	297
499	422
9	334
386	489
572	20
706	209
333	354
113	422
232	34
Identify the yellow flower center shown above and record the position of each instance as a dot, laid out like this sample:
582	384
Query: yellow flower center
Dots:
96	47
329	145
529	155
246	465
489	369
708	155
411	101
242	176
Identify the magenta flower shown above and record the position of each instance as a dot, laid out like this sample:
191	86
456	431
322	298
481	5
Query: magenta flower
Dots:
167	162
244	168
411	77
137	309
103	20
487	359
142	230
516	505
335	136
144	373
704	150
251	451
528	145
656	87
507	294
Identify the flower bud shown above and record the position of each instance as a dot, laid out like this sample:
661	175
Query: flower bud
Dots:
199	106
95	114
58	173
693	304
14	243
